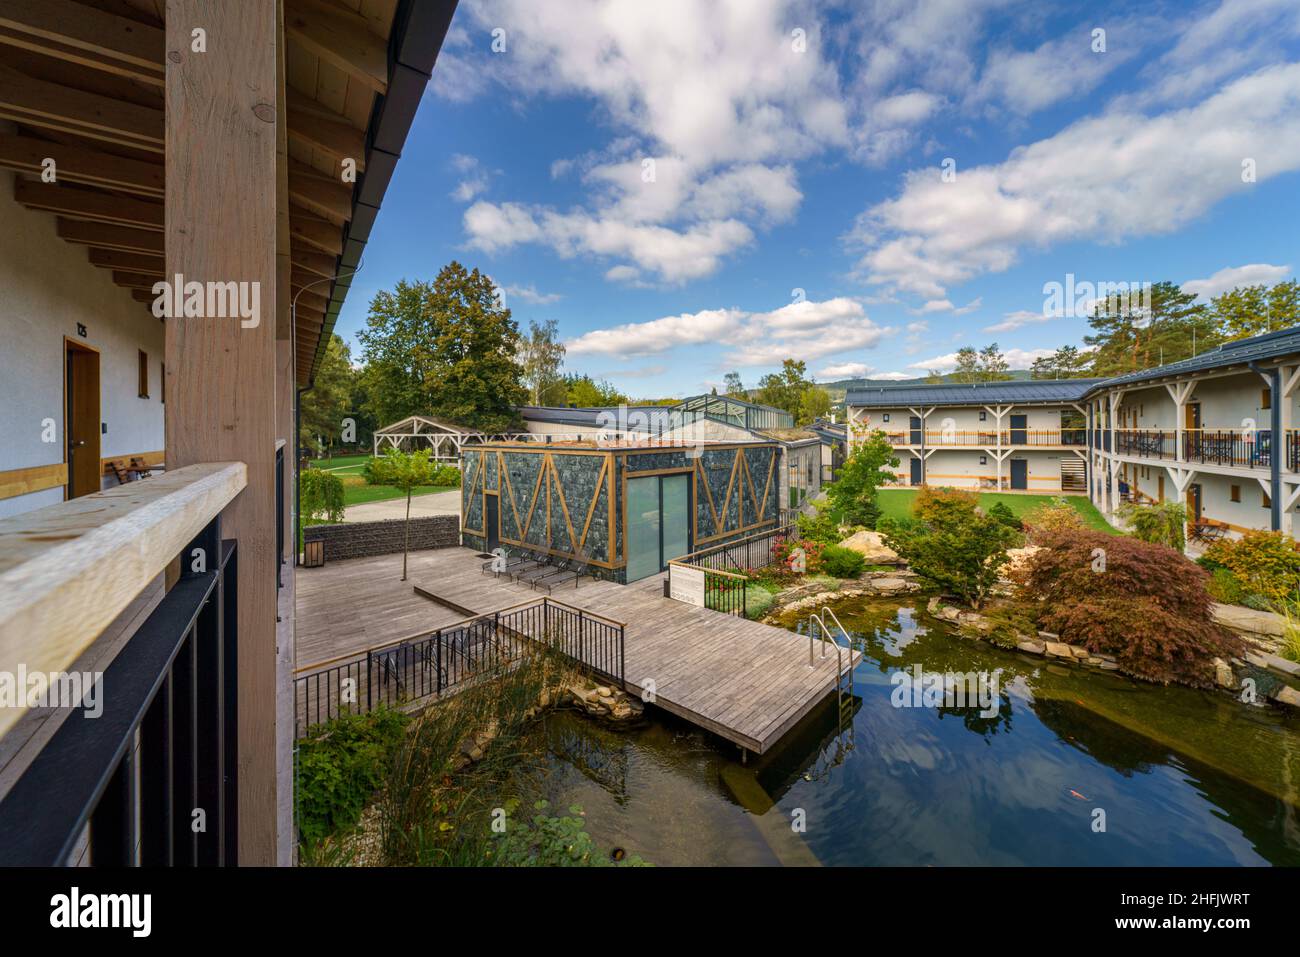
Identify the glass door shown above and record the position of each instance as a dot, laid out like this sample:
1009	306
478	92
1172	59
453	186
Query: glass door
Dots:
642	528
658	523
675	521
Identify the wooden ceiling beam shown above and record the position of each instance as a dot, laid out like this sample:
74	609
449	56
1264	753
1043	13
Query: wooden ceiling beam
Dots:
133	262
320	234
134	280
25	99
325	197
105	236
309	299
81	164
341	38
85	35
78	203
319	263
312	125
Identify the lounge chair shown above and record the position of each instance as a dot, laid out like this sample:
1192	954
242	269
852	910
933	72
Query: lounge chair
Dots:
511	562
577	568
545	566
562	567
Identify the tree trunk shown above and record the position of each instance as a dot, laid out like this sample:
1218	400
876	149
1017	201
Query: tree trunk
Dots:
406	535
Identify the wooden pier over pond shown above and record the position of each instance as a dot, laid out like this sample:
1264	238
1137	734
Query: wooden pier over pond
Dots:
747	682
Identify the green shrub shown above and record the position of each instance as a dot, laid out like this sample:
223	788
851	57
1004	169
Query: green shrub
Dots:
951	544
1052	518
1000	512
842	562
1264	563
320	496
1224	586
1159	524
1143	603
757	600
821	527
447	475
340	766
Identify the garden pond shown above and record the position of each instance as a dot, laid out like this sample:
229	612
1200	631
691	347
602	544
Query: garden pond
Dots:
1071	766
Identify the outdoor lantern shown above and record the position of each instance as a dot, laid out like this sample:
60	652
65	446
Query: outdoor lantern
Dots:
313	553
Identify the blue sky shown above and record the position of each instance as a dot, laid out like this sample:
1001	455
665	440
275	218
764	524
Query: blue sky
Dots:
691	187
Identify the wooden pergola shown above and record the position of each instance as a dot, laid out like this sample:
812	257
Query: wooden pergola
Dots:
421	431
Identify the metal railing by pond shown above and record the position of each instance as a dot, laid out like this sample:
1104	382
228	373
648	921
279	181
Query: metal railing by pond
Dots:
717	577
434	663
751	553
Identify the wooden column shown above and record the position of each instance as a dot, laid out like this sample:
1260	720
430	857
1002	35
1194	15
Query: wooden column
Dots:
221	209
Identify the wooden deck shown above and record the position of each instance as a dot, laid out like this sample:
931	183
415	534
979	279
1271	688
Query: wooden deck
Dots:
746	682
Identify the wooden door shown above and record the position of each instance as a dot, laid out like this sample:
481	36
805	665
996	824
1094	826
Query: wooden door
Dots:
81	418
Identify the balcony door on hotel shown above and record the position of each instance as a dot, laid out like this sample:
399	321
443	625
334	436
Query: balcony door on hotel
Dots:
1019	424
81	418
658	523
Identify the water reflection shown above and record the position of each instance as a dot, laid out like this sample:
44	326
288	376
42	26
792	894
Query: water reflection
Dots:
1182	776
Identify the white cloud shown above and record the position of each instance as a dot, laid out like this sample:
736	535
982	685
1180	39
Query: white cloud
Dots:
723	108
499	226
808	330
1014	320
658	335
530	294
1016	359
937	305
1082	183
845	370
1254	274
945	305
1236	37
1027	81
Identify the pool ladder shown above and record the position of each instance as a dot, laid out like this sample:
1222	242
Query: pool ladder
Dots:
844	699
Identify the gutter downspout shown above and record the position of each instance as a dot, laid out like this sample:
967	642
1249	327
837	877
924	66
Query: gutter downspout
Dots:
1272	377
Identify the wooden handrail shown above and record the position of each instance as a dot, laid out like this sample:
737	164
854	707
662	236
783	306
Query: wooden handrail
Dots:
67	570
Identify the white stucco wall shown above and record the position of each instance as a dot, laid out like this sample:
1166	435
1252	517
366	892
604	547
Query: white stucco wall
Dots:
48	286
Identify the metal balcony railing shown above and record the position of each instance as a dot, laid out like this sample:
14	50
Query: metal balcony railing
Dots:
1232	447
116	779
984	438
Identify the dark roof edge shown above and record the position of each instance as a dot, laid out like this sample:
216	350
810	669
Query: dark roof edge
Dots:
419	28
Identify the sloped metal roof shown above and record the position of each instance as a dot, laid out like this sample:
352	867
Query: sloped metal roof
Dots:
1018	391
1256	348
559	415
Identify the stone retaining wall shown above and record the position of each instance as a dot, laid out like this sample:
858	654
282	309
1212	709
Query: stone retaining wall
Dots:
363	539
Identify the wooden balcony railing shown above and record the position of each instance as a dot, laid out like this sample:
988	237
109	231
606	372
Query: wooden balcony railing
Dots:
119	787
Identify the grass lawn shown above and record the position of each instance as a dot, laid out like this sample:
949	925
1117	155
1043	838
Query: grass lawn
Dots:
897	503
358	493
341	464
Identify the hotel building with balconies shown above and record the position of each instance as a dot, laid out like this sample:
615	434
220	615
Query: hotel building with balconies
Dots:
1216	432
